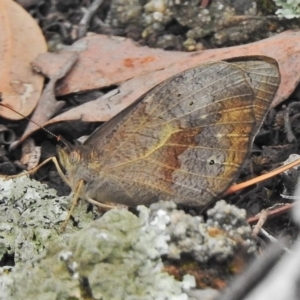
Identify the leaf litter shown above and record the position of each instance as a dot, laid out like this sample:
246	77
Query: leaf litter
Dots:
21	40
130	88
48	105
135	70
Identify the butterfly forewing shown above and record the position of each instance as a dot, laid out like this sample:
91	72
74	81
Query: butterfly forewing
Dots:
187	139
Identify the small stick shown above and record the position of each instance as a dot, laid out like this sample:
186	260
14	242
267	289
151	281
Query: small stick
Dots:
278	211
261	221
237	187
88	15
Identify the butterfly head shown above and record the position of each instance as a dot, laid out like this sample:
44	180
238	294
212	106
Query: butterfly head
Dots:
69	157
74	159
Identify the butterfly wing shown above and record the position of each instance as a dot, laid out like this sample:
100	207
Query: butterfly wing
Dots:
187	139
264	77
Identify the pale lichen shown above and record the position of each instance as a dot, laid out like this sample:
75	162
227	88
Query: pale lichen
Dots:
111	259
288	9
118	256
31	215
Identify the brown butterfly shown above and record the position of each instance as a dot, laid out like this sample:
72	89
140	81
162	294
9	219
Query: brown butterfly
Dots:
185	140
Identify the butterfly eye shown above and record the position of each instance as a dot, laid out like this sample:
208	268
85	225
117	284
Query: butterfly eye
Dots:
74	157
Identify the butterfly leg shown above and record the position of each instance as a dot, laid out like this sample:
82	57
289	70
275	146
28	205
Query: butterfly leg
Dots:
74	203
101	205
53	159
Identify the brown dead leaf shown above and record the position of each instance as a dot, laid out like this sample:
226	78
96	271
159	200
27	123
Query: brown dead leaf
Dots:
30	154
284	47
48	105
105	61
21	40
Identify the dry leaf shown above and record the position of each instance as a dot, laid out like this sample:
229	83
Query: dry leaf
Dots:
284	47
105	61
21	40
48	105
30	154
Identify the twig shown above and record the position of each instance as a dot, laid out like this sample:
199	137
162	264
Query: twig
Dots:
274	212
288	123
88	15
261	221
237	187
271	239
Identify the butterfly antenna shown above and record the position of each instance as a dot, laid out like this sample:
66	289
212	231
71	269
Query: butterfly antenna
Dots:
58	137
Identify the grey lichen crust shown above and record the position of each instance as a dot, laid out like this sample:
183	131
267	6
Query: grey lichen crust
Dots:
288	9
118	256
31	215
217	238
